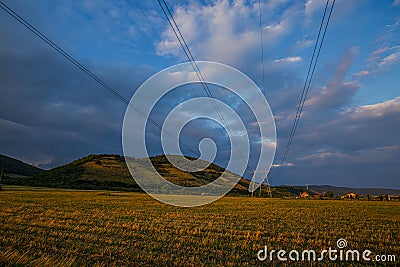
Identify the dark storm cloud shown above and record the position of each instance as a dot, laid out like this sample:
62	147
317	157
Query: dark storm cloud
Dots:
336	143
357	146
50	111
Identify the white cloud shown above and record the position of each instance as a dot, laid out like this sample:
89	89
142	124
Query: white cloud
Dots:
302	44
277	27
388	52
396	3
288	60
227	32
390	59
362	73
282	165
313	5
213	31
376	110
321	156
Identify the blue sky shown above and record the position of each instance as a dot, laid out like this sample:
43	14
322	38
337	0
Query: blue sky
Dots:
51	113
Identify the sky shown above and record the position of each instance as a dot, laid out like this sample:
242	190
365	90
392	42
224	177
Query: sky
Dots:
51	113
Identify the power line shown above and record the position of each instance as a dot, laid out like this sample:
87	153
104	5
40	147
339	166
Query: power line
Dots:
80	66
307	83
186	48
60	50
263	83
155	33
151	26
171	20
189	55
262	47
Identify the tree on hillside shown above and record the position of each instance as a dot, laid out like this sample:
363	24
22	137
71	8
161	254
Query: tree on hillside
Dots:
329	194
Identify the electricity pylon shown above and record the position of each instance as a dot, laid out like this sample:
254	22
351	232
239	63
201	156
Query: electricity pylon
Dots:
264	181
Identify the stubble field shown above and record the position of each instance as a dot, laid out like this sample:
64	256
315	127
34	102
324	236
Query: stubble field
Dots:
89	228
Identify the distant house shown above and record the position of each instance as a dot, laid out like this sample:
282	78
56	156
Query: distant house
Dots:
385	197
349	195
304	194
393	197
375	198
318	196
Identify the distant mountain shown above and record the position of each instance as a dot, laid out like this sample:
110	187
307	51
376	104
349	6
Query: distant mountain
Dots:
109	172
338	191
13	166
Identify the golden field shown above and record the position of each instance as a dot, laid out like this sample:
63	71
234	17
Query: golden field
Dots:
46	227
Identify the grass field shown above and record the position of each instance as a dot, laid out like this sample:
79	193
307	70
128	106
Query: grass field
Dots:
89	228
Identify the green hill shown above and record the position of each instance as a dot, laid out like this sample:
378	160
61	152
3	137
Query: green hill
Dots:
13	166
109	172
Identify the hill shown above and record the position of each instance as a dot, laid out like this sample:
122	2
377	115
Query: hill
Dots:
109	172
13	166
